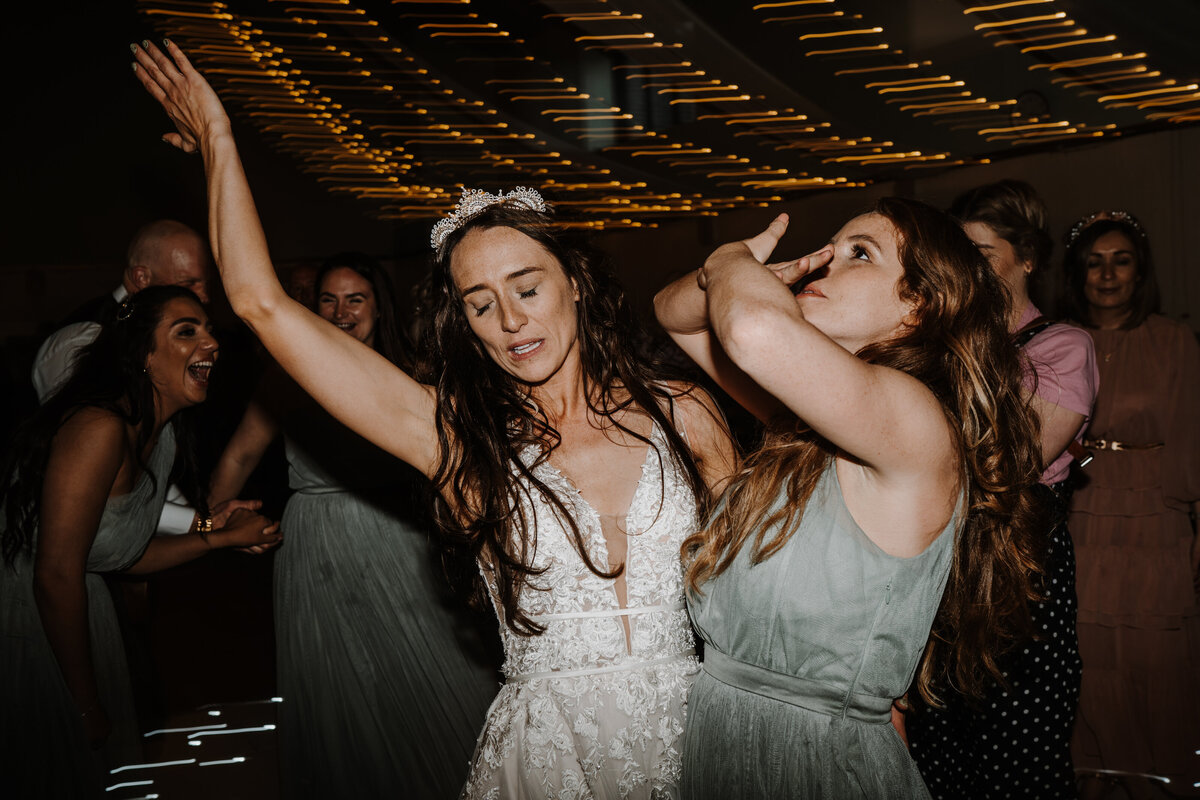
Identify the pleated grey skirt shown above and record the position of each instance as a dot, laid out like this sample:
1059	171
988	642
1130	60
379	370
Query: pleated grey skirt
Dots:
739	744
384	687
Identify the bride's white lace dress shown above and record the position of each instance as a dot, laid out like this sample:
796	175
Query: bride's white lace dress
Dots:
586	712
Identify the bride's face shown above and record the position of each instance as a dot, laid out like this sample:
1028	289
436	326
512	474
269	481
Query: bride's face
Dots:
518	301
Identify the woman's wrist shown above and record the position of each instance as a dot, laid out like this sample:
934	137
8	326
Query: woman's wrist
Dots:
216	135
203	527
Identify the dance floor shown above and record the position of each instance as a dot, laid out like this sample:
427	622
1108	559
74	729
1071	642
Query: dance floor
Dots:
202	660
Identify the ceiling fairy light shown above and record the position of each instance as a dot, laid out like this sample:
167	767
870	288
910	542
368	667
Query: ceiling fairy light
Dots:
1060	56
615	110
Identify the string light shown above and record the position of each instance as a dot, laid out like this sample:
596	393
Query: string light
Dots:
326	85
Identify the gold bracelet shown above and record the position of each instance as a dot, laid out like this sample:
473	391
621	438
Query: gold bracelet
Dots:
204	525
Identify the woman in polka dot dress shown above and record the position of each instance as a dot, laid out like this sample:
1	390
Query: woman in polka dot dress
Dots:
1015	741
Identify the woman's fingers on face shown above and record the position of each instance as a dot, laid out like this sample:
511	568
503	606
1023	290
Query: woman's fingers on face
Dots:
818	259
787	271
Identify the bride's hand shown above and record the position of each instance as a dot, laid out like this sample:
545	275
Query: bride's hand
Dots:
185	95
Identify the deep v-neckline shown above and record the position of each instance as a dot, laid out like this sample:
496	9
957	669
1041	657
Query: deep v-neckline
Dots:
597	536
651	448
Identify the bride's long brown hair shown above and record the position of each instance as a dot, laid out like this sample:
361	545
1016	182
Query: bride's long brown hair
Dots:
485	420
960	348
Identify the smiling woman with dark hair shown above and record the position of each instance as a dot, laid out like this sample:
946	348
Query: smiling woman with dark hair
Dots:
1139	621
85	483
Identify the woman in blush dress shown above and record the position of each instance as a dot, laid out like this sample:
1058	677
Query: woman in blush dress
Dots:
84	485
357	592
564	467
1139	625
900	460
986	748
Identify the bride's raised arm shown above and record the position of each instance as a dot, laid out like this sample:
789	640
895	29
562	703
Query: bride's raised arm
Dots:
353	382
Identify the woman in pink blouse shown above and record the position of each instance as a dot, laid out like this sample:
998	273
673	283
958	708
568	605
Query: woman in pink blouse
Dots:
1015	741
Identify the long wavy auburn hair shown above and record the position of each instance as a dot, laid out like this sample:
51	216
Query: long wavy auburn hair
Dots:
960	349
109	374
485	419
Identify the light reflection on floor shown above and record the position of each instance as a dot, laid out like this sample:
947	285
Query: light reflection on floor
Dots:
223	751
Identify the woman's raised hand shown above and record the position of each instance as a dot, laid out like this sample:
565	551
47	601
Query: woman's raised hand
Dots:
185	95
761	247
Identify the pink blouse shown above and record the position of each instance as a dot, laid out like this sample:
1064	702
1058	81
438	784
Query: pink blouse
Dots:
1063	358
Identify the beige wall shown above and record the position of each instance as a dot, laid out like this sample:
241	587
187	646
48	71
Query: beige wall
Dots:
1154	176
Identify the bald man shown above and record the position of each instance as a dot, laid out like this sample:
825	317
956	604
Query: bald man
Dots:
162	253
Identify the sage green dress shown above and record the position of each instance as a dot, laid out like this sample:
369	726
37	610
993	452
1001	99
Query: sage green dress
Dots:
804	654
42	746
385	685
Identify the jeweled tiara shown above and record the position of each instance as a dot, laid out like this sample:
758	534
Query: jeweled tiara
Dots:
474	202
1117	216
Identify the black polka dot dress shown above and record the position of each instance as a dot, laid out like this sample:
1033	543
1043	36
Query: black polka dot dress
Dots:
1015	743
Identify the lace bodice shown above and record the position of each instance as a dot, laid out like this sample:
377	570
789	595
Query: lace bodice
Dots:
596	715
580	609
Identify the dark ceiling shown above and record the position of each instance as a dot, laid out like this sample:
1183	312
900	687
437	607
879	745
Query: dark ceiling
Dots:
628	111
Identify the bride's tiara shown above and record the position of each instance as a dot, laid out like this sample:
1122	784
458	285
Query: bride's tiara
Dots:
474	202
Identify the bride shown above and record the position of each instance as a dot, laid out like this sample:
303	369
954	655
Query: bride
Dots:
563	466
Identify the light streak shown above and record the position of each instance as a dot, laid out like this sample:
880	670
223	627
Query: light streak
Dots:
731	99
790	3
831	34
767	119
153	765
877	84
1029	127
186	730
999	6
228	731
922	87
864	49
1190	87
128	784
1058	45
1087	62
1006	23
727	88
861	70
805	17
614	36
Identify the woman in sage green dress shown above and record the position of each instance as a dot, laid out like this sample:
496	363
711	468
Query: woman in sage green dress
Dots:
899	461
84	485
384	683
